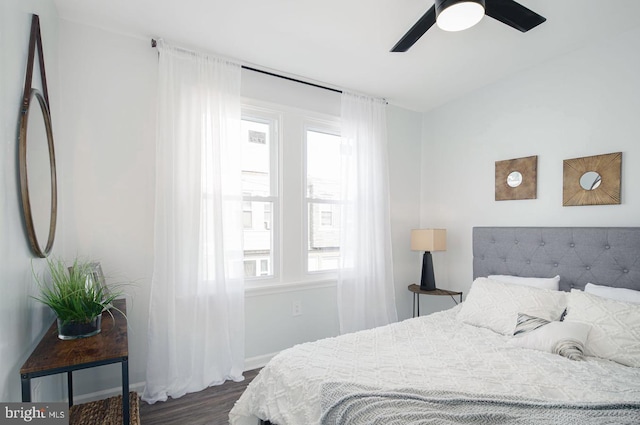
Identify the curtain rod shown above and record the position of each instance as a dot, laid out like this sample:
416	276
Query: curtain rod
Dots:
154	44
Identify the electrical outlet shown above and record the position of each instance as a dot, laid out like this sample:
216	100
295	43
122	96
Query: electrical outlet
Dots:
296	308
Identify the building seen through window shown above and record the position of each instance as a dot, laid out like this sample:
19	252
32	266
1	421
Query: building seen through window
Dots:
257	197
318	201
323	194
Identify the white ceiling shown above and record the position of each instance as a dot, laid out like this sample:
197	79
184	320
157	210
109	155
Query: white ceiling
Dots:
346	43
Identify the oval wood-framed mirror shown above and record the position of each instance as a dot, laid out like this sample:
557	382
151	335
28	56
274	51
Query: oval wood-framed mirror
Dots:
37	159
36	156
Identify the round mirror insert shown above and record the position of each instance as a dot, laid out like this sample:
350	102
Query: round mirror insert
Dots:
590	180
514	179
38	174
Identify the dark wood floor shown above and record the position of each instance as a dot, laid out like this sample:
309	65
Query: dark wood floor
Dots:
210	406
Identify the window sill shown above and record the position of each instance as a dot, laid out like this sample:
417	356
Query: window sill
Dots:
280	288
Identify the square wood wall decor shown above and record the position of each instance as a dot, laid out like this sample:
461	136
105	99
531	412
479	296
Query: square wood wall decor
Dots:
608	166
527	189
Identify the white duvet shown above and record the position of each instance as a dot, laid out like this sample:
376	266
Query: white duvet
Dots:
430	352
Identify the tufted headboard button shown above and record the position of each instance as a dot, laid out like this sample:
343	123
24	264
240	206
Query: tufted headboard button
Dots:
541	243
588	268
572	245
555	264
625	271
607	247
528	261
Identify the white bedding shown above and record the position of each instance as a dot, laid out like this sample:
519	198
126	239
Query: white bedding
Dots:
435	352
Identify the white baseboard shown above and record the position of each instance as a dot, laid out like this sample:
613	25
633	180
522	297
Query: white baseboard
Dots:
251	363
110	392
258	361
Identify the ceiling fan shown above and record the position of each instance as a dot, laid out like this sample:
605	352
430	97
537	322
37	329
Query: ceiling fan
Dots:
457	15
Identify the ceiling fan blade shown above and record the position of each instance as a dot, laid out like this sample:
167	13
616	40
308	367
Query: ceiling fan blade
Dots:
417	30
513	14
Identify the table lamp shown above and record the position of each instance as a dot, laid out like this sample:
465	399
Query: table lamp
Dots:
428	240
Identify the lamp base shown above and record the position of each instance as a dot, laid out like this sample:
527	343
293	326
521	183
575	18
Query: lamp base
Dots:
428	280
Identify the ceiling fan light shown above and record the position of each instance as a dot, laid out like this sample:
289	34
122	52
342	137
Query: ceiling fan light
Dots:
458	15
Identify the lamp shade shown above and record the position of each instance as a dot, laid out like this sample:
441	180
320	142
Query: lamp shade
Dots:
458	15
429	240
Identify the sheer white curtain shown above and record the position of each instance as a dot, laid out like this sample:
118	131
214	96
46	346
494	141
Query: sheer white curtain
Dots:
196	311
366	296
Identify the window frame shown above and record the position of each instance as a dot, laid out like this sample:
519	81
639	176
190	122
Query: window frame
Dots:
290	242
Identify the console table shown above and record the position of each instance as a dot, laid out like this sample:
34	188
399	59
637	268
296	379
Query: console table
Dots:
53	355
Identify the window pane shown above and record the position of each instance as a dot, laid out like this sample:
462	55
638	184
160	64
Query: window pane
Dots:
249	268
247	216
256	158
323	165
264	267
324	236
323	184
326	218
258	238
267	216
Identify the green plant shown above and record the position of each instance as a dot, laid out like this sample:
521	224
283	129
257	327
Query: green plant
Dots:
73	294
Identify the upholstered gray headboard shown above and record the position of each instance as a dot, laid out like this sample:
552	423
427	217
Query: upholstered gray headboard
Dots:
601	255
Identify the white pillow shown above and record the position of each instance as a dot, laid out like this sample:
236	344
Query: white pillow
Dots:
620	294
538	282
564	338
615	326
495	305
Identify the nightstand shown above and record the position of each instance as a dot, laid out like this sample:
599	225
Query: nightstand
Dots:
417	292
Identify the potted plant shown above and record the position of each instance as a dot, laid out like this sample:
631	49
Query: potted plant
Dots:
77	297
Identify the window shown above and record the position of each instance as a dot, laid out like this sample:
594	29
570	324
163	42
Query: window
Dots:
264	267
267	216
291	188
259	187
249	268
259	137
247	215
326	218
322	197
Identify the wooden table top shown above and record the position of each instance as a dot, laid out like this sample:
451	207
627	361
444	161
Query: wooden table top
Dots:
110	344
416	288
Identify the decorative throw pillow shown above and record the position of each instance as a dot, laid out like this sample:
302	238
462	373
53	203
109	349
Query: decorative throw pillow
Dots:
538	282
495	305
562	338
620	294
615	326
526	324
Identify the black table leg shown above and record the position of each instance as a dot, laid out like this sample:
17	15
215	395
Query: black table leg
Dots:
125	391
26	389
70	387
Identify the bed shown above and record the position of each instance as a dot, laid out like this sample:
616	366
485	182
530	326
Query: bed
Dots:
575	359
